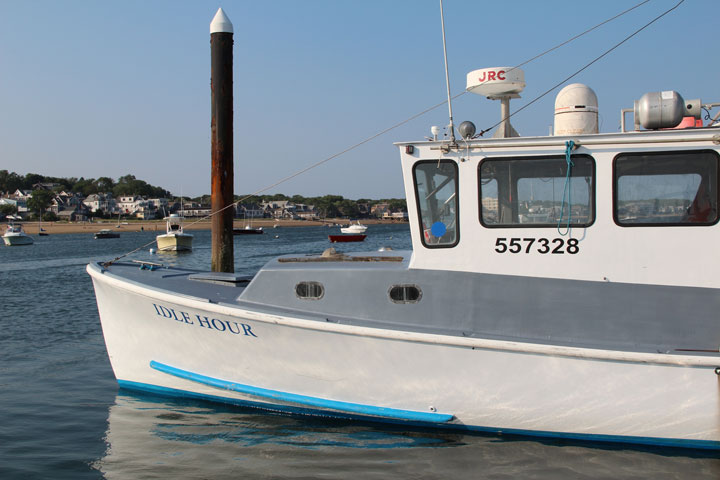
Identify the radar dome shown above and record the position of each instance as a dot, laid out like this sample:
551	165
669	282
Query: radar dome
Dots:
496	82
576	110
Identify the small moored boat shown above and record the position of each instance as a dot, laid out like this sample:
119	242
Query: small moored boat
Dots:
349	237
175	239
248	230
106	233
14	236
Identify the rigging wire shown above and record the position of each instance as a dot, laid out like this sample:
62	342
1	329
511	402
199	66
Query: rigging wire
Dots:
584	67
581	34
429	109
419	114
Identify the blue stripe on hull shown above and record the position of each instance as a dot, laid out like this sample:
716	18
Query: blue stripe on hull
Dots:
304	400
660	442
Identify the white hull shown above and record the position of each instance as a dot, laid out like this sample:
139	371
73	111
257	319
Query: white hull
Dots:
477	383
175	242
17	239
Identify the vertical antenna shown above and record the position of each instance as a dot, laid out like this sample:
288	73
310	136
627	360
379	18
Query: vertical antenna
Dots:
447	77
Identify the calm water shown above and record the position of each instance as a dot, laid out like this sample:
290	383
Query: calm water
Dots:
62	415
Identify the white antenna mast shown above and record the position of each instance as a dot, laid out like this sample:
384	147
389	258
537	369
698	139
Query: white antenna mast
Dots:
447	77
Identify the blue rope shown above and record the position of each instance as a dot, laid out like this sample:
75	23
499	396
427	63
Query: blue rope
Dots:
567	190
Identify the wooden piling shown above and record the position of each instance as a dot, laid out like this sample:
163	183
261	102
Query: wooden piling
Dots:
221	86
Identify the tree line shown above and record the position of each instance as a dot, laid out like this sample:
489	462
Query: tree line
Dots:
126	185
327	205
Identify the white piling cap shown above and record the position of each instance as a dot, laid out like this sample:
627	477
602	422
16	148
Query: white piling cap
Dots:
221	23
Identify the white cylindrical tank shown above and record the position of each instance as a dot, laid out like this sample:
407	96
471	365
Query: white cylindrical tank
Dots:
576	110
660	110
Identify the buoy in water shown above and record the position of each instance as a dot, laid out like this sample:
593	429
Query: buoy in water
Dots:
152	251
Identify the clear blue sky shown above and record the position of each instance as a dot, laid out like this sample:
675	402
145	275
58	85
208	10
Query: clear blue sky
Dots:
101	88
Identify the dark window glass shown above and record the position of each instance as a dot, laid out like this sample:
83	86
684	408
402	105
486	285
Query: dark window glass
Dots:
537	191
309	290
436	191
668	188
405	294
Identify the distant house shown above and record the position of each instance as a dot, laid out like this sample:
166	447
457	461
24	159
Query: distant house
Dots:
45	186
23	195
77	214
306	212
10	201
161	204
380	210
251	210
275	208
101	202
128	204
65	201
288	210
193	209
148	209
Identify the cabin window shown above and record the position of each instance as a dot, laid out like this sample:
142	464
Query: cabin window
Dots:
666	189
537	191
436	194
405	294
309	290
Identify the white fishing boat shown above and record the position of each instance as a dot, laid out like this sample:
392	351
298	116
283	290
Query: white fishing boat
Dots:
596	320
175	239
355	228
14	235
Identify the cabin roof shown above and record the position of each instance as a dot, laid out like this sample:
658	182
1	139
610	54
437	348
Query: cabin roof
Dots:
617	138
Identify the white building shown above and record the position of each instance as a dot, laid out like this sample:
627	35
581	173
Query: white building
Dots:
101	201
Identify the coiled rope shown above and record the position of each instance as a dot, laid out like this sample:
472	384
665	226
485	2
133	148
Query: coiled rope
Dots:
567	189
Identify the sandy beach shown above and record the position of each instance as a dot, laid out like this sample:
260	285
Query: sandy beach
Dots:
190	224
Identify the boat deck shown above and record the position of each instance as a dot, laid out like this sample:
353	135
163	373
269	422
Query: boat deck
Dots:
219	287
359	289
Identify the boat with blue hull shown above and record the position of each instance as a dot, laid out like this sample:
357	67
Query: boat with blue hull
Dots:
550	291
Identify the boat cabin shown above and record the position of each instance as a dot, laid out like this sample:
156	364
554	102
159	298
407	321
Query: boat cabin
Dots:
174	223
632	207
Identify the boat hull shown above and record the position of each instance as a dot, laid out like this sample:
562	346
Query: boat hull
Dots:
346	238
16	240
106	235
174	242
187	346
247	231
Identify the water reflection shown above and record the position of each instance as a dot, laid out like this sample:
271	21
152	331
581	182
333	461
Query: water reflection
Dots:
151	436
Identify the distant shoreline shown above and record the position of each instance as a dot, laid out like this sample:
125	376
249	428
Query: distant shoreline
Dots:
32	228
